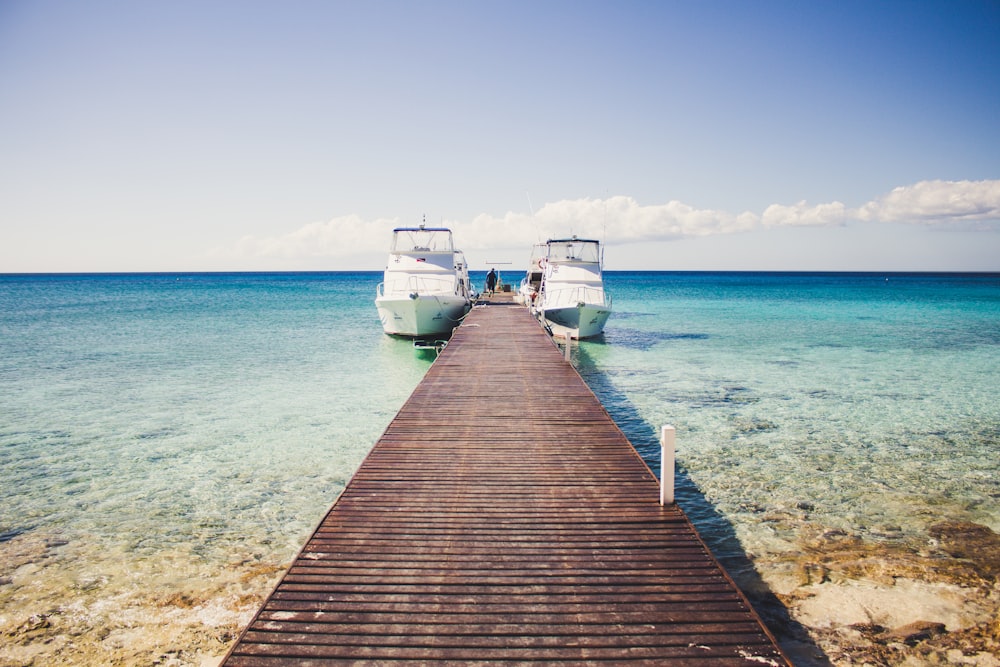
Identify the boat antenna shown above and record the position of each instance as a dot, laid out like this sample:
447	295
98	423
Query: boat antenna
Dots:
604	230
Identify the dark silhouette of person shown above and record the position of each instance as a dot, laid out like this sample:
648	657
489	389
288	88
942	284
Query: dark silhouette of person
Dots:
491	281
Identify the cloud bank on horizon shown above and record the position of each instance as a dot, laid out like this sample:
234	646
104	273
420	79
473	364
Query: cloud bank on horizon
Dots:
968	205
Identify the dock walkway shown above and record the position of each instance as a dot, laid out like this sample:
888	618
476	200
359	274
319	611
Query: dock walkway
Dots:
503	519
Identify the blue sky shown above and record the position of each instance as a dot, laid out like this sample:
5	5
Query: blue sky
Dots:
785	135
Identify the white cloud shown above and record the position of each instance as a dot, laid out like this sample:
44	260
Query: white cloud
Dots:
936	202
343	236
620	220
802	214
926	202
617	219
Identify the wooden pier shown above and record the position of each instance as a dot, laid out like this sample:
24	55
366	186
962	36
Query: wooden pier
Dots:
503	519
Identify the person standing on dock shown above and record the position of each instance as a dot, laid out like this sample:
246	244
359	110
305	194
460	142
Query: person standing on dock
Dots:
491	281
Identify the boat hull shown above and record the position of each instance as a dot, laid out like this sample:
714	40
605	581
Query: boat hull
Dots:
581	321
430	315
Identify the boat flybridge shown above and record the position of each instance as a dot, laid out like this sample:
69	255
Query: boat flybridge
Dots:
570	298
425	290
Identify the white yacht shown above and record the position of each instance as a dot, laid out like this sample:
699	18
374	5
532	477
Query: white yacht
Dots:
571	300
425	290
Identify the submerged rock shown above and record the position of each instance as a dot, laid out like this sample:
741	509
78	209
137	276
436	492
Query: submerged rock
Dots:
970	541
911	633
913	600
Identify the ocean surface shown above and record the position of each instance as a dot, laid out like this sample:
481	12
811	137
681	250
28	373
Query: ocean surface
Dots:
163	435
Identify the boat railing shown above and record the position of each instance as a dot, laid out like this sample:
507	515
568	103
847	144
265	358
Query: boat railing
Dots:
422	239
565	296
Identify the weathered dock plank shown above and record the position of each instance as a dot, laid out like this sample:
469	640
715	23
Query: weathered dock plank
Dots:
503	519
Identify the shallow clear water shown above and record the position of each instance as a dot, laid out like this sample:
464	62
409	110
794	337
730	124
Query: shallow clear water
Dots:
860	402
211	414
176	425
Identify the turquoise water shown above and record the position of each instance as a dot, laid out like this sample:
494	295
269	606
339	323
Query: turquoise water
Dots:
144	412
180	426
859	402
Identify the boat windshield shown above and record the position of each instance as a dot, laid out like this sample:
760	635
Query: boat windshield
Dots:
423	239
574	250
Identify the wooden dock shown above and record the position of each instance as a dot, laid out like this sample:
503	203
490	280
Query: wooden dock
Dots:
503	519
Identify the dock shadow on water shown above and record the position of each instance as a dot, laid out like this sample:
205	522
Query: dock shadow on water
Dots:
717	532
639	339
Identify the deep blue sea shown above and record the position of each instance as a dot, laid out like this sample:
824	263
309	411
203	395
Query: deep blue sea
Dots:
169	431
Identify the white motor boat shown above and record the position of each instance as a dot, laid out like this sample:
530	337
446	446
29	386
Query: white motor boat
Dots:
532	281
571	300
425	290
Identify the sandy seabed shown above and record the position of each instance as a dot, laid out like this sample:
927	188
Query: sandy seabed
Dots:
59	606
836	600
840	600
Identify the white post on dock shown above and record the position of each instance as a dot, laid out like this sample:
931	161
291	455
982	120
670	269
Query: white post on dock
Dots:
667	437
